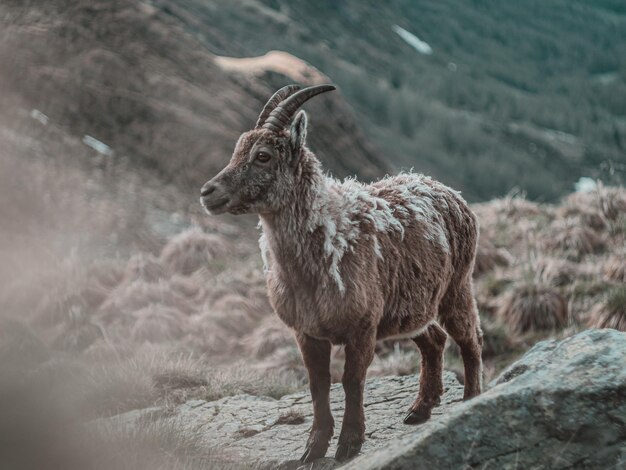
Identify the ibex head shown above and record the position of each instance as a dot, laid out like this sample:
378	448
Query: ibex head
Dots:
261	173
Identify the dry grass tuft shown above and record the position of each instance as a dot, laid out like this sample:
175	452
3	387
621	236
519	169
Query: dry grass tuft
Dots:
489	256
239	378
609	201
194	288
496	339
614	268
235	315
160	444
247	432
78	335
399	361
572	238
290	417
192	250
533	307
108	272
128	298
558	272
143	267
515	207
268	337
611	313
157	324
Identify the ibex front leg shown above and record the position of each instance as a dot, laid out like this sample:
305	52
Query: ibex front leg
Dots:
316	356
359	355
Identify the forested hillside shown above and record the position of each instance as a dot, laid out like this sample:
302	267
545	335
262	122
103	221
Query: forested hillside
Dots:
528	94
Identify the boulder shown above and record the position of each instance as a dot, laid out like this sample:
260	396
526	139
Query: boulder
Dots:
563	405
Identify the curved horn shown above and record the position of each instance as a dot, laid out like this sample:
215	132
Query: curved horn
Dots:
281	116
274	101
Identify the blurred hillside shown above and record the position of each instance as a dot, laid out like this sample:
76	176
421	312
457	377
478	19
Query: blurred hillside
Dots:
130	76
486	96
528	94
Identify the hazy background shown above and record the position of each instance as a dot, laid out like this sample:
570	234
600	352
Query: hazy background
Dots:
118	293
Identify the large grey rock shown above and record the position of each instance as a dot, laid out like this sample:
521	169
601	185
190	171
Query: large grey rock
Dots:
563	405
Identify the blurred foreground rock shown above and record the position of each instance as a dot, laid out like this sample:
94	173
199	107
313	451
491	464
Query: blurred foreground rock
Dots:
563	405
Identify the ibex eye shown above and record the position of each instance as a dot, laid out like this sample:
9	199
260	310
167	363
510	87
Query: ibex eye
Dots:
263	157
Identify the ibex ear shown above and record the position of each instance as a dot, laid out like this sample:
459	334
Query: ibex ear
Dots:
298	131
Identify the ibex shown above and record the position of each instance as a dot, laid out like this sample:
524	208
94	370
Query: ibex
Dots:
349	263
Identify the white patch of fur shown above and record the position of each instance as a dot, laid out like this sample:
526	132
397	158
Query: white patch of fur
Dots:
340	208
264	251
340	212
419	200
377	247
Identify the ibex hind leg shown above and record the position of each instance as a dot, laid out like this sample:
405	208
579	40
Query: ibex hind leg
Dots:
431	344
459	316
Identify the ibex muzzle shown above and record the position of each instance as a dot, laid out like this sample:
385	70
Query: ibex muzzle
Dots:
259	175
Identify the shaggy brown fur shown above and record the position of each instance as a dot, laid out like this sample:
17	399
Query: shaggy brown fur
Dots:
348	263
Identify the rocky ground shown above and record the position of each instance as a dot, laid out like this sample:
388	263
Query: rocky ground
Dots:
563	405
273	432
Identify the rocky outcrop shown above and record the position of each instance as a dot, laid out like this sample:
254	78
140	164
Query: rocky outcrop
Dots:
272	433
563	405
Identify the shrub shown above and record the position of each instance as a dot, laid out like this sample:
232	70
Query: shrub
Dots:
151	443
489	256
128	298
533	307
598	206
571	237
496	339
143	267
611	313
557	272
192	250
158	323
614	268
291	417
269	336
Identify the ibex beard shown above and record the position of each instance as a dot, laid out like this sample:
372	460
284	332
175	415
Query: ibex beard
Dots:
349	264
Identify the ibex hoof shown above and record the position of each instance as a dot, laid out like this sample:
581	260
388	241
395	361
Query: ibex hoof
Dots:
316	446
348	448
418	416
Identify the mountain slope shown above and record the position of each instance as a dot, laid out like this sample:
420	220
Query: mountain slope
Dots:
529	94
128	75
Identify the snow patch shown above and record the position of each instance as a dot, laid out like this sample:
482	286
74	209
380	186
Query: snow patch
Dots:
98	146
412	40
39	116
586	185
